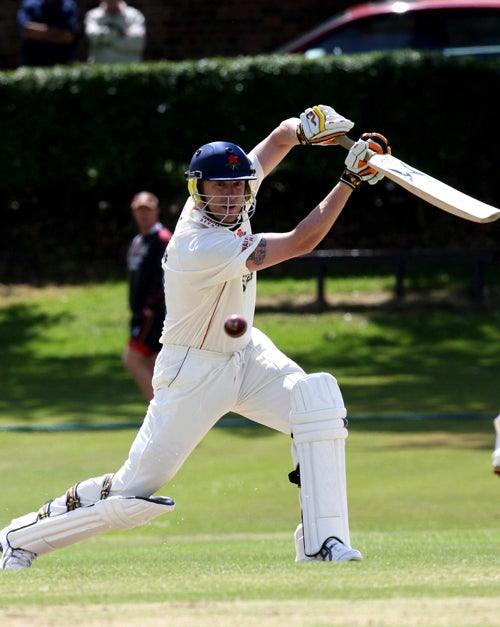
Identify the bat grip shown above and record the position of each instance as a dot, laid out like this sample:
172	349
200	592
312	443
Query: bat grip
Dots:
347	143
344	141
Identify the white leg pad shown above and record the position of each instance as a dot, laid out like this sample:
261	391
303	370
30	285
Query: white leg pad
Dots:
41	536
319	434
496	423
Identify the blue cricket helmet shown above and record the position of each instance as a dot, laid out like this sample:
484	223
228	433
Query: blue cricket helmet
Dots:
221	161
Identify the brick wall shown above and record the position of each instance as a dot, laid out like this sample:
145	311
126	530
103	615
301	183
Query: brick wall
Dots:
192	29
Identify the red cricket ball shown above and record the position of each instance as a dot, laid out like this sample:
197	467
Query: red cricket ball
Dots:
235	325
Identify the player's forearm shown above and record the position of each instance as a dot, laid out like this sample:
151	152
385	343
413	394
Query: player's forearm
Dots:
274	148
275	248
315	226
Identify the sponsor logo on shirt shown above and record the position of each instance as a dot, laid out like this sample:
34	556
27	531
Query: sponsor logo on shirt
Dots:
247	241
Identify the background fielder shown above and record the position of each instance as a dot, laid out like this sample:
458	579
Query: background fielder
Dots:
202	373
146	293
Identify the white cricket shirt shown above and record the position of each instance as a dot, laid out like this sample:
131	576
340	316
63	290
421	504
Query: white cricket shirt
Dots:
206	280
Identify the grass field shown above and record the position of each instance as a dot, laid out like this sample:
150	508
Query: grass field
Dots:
423	506
421	388
61	350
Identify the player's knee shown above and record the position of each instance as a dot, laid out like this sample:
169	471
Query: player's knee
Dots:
40	535
315	400
120	512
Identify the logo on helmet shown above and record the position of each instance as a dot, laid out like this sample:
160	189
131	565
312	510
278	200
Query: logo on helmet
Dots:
233	163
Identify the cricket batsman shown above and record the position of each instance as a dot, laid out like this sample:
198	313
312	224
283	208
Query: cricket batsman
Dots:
202	373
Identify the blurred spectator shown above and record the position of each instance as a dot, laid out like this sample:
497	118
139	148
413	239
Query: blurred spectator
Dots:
116	33
146	296
48	31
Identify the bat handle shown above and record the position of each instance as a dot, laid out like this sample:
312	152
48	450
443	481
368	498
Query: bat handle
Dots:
344	141
347	143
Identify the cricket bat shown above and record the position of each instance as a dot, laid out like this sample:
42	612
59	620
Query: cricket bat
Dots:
428	188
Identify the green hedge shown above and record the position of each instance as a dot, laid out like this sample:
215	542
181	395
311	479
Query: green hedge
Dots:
78	142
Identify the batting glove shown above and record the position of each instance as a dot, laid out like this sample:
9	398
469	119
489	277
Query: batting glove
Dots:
357	168
319	125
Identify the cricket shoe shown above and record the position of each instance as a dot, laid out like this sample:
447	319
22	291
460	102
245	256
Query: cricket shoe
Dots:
15	559
333	550
496	461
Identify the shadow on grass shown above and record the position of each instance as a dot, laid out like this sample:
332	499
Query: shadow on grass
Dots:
86	389
425	343
80	389
23	322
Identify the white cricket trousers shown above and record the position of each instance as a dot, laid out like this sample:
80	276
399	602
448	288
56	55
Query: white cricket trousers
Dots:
192	390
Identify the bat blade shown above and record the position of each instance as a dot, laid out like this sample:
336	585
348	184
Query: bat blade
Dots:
434	191
428	188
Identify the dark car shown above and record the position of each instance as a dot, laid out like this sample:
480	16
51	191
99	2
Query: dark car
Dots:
450	27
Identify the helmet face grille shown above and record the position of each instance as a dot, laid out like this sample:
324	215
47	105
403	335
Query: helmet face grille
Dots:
220	210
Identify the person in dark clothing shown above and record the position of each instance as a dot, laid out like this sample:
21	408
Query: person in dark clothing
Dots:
48	31
146	295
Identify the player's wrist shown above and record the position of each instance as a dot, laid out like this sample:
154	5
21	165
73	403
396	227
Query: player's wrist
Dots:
350	179
301	138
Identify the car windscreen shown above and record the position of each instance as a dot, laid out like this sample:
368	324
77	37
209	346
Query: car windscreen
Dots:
422	30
